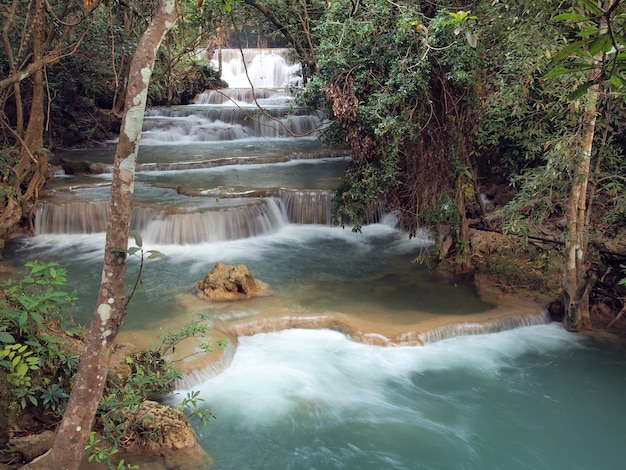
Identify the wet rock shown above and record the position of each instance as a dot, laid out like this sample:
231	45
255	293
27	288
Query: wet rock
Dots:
228	282
82	167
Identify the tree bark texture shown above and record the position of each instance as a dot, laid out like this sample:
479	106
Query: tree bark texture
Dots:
68	449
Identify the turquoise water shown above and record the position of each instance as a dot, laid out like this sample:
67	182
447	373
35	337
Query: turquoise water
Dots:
531	398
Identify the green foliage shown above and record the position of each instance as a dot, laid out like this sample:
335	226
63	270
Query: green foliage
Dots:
523	112
36	360
149	377
401	79
183	79
99	451
196	327
8	159
36	299
20	361
190	405
599	35
534	108
53	398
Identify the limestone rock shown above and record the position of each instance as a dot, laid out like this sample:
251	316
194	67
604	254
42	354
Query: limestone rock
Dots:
228	282
163	439
169	424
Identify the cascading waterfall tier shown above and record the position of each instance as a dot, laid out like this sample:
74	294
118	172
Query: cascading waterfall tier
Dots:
255	217
257	104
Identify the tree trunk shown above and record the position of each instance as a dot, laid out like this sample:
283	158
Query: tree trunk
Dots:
32	167
68	449
576	279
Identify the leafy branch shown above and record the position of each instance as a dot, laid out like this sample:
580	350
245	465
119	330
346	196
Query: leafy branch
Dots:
143	256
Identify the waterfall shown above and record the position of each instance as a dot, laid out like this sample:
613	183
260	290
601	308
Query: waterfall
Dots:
492	325
251	220
258	216
227	122
203	369
261	77
71	218
258	68
308	207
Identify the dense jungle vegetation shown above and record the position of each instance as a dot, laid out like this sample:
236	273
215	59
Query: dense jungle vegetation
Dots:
449	109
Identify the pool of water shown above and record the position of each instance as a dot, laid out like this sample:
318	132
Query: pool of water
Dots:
530	398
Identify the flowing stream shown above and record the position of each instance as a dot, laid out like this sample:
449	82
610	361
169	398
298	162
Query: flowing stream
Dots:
355	357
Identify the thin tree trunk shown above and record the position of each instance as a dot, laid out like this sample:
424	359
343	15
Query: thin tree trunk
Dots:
575	282
68	449
32	167
576	278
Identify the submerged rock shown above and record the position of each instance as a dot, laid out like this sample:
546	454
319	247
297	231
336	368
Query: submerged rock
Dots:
228	282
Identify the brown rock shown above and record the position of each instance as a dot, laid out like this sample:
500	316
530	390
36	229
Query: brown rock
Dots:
228	282
163	439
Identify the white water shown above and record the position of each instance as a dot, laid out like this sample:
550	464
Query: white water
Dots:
313	399
258	68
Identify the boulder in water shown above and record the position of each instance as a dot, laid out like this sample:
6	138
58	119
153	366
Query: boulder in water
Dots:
228	282
82	167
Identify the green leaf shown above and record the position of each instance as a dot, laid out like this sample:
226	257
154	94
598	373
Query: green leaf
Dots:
137	237
619	39
133	249
616	80
564	71
154	254
38	318
593	8
569	17
588	31
21	368
6	337
23	319
600	44
571	48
